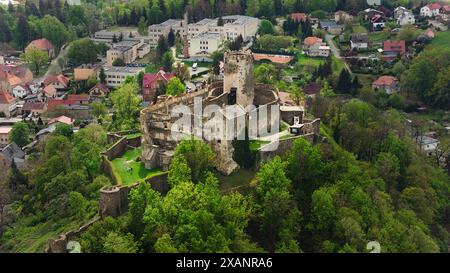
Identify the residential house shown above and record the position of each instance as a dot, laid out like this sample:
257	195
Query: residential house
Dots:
445	9
12	76
59	82
44	45
427	144
84	71
21	91
399	11
315	47
8	104
331	26
406	18
10	153
49	92
393	49
341	17
34	109
369	13
60	120
430	10
359	41
389	84
70	108
5	132
79	99
152	81
99	91
299	17
378	22
373	2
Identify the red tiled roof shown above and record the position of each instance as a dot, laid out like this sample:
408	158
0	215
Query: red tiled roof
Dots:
446	8
385	80
298	16
150	78
78	97
29	106
23	73
56	79
62	119
395	46
52	103
50	90
42	44
6	98
100	86
434	6
311	41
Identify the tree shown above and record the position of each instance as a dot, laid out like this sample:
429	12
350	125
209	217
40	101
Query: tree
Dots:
278	214
83	51
102	76
118	62
439	95
119	243
344	84
126	105
167	61
64	130
296	94
22	31
181	72
35	57
142	27
175	87
52	29
265	73
199	157
171	38
99	109
265	27
162	47
20	134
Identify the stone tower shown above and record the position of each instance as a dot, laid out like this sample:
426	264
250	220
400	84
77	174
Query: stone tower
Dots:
238	77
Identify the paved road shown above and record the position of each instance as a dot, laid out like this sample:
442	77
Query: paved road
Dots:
61	59
336	52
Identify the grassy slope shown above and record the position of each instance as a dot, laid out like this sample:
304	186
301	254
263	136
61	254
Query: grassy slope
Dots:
442	39
123	164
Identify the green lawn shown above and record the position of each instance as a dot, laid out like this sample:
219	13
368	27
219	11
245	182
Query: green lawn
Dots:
359	29
256	144
310	61
237	180
129	170
336	65
379	36
442	39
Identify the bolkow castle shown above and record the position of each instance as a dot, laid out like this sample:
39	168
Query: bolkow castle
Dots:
237	91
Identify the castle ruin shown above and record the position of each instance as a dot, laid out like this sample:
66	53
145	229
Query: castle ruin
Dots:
237	89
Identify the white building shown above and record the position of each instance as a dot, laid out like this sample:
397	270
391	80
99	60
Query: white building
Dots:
315	47
233	26
430	10
428	144
115	76
373	2
407	18
205	44
156	30
359	41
